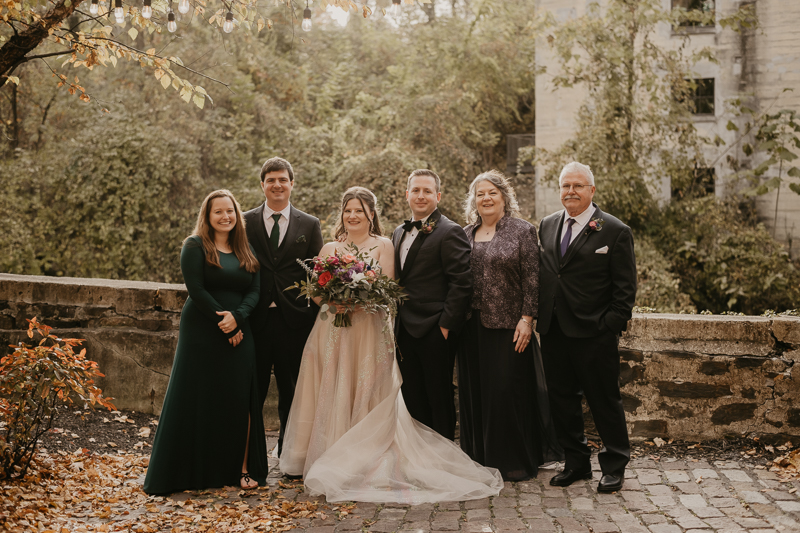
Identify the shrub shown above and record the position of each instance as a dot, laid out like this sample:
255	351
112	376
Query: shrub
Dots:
726	260
657	287
35	381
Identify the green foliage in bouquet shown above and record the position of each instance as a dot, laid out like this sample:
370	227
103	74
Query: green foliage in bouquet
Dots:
349	279
34	382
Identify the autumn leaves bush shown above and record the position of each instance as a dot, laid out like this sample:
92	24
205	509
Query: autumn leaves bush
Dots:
35	382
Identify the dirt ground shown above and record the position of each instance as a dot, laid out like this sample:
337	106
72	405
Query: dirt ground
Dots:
101	431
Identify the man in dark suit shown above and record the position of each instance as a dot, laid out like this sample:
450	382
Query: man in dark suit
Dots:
432	259
587	288
281	323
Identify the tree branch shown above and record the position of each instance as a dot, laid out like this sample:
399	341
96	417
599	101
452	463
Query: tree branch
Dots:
18	46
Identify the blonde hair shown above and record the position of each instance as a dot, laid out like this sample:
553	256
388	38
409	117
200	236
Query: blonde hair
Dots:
237	238
499	180
367	200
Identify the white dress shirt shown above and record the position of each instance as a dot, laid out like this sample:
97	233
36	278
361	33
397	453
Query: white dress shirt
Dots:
407	240
283	222
580	222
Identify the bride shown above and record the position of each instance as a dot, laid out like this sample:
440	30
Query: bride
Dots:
349	433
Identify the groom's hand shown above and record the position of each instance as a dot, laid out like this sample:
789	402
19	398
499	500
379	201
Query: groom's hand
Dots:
445	332
228	323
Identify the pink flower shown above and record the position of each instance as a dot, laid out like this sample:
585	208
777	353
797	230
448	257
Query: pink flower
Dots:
333	260
349	258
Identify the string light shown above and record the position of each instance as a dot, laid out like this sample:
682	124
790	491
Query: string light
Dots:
147	9
306	25
94	8
395	10
183	6
227	27
172	26
119	12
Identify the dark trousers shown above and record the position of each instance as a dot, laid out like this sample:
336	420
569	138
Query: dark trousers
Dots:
427	368
279	350
590	367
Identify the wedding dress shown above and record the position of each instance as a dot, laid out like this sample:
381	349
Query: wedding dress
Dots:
350	435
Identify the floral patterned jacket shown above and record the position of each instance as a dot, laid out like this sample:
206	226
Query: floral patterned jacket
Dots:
510	273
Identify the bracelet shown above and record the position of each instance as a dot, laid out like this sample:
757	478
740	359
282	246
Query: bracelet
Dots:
529	323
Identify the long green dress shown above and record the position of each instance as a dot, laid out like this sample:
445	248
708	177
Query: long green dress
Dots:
200	441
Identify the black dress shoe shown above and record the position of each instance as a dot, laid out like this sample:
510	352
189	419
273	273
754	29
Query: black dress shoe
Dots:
568	477
610	483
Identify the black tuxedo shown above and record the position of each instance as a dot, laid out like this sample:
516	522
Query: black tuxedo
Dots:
281	332
585	302
437	278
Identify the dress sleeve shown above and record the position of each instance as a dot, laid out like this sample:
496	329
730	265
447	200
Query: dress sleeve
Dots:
249	301
529	270
192	262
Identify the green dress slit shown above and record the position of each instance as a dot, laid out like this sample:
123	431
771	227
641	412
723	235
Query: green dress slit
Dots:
200	441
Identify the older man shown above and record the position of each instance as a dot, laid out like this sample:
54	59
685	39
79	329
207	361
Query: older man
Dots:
586	293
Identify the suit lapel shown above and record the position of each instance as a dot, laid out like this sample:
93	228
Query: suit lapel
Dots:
291	233
417	244
555	244
581	239
397	237
262	241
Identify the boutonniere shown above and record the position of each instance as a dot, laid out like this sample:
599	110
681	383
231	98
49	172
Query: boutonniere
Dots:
596	224
428	226
301	238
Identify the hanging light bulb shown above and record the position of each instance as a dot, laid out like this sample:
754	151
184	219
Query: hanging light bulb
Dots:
227	27
94	8
183	6
119	12
172	26
395	10
306	25
147	9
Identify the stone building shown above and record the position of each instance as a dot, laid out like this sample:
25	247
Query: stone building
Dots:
756	64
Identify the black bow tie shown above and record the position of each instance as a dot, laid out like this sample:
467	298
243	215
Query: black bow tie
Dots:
407	224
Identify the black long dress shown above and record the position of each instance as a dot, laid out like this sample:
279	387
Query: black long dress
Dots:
200	441
503	414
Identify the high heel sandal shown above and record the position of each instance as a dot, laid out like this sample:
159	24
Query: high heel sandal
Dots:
247	480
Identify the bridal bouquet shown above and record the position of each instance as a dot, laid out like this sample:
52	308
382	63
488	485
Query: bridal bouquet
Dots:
349	280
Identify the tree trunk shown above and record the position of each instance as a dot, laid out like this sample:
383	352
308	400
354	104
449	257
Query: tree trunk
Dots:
13	52
14	118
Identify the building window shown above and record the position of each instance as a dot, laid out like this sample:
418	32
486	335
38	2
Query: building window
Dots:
700	183
702	96
703	6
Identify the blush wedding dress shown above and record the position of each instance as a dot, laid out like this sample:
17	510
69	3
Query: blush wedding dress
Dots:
350	435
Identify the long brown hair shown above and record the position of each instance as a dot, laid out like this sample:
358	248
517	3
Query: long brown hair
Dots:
368	202
237	238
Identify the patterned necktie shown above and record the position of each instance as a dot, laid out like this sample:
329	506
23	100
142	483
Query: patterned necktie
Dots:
275	235
567	237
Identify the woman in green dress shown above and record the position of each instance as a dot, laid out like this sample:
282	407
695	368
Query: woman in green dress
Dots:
211	433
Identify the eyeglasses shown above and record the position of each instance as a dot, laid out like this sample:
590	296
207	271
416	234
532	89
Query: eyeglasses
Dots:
576	188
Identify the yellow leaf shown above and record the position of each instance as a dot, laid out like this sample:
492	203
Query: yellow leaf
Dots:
260	24
133	32
158	73
113	59
165	81
13	79
151	52
199	101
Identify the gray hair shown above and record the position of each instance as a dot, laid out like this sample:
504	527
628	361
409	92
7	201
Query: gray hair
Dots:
579	168
499	180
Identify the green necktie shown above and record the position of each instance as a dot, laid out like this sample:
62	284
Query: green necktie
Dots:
275	236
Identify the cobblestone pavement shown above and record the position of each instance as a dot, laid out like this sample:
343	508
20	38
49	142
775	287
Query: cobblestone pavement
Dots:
660	495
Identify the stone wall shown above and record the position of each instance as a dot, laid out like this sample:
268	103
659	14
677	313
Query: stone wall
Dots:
688	377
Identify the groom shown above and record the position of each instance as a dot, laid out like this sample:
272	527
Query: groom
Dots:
281	323
587	287
432	258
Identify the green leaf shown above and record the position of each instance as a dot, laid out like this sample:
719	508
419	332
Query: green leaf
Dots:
786	155
732	126
794	187
794	172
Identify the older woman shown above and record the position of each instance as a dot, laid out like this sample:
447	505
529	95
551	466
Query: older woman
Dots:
504	412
